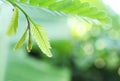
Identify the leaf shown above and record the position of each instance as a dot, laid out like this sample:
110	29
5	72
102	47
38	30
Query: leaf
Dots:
72	7
21	41
41	38
29	45
12	28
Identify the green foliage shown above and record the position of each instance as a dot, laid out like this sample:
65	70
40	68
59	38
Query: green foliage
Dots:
70	7
21	41
73	7
91	57
13	24
41	38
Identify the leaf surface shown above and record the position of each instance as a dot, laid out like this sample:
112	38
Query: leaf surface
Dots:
72	7
41	38
21	41
12	28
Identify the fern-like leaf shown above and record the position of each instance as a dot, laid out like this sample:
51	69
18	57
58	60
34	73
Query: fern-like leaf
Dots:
21	41
73	7
41	38
12	28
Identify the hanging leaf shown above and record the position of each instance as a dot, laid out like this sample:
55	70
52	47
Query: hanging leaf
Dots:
12	28
29	45
21	41
41	38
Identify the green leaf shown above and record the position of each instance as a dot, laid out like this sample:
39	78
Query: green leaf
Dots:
72	7
41	38
12	28
21	41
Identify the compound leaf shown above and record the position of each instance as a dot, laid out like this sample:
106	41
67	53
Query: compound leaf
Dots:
72	7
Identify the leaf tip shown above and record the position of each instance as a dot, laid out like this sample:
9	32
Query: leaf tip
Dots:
29	49
50	54
14	49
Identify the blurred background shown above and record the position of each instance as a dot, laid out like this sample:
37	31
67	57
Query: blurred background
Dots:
82	51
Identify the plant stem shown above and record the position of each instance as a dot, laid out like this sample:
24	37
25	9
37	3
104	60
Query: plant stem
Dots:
27	17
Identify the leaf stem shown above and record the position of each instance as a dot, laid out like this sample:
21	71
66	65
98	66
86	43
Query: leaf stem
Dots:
27	17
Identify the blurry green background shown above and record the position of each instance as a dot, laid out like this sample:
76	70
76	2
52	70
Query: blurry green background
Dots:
81	51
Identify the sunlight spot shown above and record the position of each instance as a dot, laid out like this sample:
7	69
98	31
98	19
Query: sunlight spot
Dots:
1	2
88	49
114	4
100	44
79	27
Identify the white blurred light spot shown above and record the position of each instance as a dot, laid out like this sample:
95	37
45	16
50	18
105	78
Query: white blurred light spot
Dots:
79	27
1	2
88	49
114	4
100	44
